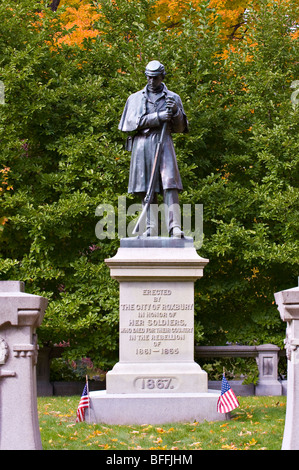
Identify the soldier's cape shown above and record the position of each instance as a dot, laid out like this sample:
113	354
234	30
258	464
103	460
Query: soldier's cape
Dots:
135	108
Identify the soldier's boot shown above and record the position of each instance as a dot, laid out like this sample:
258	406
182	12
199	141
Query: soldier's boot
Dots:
173	213
152	219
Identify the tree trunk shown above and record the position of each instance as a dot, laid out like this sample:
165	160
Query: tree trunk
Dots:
54	5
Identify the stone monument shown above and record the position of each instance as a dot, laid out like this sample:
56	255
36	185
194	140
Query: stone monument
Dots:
156	379
20	315
267	361
288	305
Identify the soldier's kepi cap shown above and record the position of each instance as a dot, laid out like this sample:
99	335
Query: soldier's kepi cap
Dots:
154	68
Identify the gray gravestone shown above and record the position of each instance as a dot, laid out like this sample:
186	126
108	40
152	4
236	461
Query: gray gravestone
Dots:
20	315
288	305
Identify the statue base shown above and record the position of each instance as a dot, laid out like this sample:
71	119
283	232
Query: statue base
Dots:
156	242
156	380
154	409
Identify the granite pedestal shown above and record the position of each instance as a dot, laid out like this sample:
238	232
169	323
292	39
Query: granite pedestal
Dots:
20	315
288	306
156	379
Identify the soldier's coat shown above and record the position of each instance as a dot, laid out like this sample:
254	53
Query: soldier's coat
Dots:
141	116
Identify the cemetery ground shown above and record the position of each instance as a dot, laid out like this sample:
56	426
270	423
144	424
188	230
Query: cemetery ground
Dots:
257	424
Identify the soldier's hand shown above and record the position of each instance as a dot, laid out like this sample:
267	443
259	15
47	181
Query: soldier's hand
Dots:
170	103
165	115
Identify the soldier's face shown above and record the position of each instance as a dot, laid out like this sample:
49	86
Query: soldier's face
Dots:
154	83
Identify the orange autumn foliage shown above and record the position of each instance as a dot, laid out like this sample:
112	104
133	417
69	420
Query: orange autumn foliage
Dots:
81	16
231	12
4	186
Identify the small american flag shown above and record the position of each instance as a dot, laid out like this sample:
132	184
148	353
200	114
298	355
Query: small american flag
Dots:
227	400
83	404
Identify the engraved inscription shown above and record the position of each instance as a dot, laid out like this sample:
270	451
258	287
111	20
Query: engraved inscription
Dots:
157	323
156	383
146	351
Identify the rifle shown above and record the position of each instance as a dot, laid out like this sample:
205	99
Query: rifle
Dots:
153	179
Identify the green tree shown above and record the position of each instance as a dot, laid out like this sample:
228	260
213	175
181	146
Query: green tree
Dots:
59	137
250	195
56	134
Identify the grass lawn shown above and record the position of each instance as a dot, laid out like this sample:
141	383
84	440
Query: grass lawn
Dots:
258	424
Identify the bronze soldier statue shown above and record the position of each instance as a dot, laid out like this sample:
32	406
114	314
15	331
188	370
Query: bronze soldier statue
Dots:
145	113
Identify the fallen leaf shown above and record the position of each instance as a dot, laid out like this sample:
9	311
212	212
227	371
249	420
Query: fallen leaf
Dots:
158	441
160	430
229	447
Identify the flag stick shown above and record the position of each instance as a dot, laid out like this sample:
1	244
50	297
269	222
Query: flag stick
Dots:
88	398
